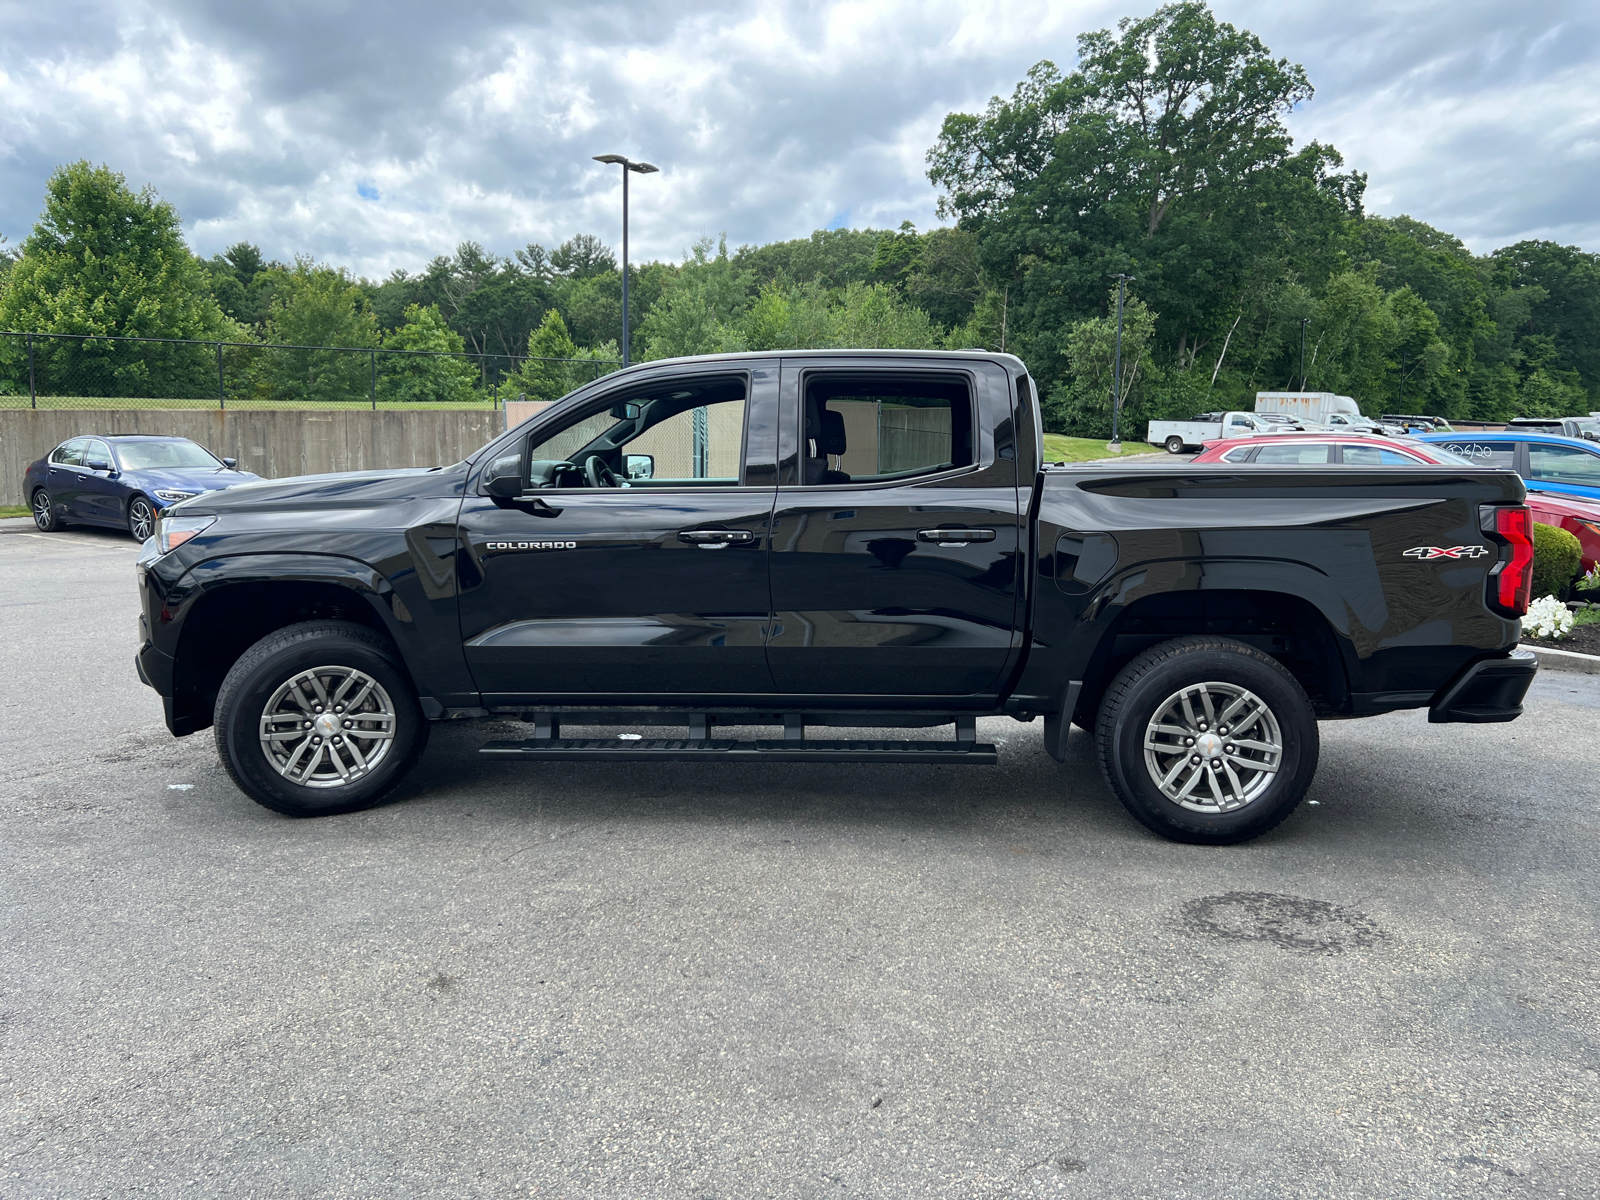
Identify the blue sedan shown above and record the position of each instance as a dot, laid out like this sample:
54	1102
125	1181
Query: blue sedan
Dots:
123	482
1547	462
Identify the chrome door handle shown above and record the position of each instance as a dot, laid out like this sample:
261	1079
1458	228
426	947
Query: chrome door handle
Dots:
955	537
716	539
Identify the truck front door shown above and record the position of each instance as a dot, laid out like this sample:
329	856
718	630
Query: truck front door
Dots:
634	562
895	542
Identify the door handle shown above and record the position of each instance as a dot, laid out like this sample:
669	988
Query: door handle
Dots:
955	537
716	539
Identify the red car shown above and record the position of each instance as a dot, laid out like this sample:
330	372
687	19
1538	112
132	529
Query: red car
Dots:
1312	449
1580	518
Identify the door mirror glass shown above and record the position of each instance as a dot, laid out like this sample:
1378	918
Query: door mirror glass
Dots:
626	411
641	466
503	478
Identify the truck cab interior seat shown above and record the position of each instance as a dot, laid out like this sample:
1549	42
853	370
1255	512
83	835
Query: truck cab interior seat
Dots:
824	438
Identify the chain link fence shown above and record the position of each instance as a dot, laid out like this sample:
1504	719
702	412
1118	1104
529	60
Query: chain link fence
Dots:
58	370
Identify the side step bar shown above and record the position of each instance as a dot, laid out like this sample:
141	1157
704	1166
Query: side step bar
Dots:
981	754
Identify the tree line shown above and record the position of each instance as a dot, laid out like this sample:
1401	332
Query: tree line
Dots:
1162	157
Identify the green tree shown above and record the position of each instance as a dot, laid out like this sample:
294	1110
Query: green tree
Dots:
1164	155
695	313
106	260
317	306
1081	402
555	364
413	377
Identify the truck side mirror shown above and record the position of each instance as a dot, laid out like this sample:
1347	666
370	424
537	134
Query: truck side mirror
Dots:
502	479
641	466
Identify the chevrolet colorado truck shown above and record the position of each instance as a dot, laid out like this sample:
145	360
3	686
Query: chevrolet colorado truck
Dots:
815	541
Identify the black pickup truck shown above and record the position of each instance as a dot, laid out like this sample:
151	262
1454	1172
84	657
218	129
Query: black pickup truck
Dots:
814	540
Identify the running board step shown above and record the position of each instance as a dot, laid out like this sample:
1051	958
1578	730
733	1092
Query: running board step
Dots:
978	754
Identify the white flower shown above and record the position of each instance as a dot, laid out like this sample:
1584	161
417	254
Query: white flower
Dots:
1548	618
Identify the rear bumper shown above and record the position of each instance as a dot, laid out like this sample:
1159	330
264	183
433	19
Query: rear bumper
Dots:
1486	691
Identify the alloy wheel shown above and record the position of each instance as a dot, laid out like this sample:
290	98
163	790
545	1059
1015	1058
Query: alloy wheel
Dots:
327	727
41	510
1213	747
141	519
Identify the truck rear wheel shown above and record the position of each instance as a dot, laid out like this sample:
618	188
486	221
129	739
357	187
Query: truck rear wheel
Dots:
1207	740
319	718
1174	444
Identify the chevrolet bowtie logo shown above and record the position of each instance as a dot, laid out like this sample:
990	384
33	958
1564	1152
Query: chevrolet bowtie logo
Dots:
1447	552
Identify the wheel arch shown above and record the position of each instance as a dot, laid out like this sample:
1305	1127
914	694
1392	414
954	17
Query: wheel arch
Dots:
1289	628
243	601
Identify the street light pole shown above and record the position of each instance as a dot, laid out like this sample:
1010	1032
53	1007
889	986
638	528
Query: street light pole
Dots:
1116	370
642	168
1304	321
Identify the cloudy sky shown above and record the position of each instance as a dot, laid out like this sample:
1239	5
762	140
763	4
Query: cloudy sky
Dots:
378	135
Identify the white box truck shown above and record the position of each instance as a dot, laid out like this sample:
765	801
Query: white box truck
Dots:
1319	408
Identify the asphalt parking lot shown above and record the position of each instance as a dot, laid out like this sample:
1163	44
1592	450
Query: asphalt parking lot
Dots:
785	981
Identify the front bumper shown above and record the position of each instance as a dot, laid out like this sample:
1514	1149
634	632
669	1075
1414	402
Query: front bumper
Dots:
1486	691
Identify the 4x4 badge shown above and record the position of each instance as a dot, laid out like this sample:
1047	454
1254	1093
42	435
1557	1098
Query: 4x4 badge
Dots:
1446	552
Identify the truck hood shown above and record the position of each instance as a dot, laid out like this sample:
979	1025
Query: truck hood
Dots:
345	489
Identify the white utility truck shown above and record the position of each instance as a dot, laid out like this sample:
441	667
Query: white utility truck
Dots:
1178	436
1340	413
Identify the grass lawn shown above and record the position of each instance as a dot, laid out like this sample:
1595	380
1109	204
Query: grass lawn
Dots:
1058	447
121	402
13	510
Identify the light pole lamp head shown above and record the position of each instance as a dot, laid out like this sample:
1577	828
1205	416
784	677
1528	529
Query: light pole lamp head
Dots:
643	168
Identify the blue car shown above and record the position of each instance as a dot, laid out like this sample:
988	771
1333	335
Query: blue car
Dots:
123	482
1547	462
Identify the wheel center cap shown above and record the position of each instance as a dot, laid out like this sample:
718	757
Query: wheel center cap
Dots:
327	724
1208	744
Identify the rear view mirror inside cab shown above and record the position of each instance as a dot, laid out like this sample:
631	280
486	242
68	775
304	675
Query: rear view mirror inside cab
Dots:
626	411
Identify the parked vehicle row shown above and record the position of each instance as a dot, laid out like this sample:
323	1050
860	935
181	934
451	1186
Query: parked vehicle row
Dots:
123	481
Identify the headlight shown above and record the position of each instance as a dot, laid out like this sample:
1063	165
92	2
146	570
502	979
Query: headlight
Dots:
172	497
172	532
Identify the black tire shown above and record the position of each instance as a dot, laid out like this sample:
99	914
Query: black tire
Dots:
278	658
141	515
1226	668
44	512
1174	444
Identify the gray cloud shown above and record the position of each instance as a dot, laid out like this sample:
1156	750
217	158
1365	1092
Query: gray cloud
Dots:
378	136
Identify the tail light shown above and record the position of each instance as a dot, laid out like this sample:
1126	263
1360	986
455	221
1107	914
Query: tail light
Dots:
1511	582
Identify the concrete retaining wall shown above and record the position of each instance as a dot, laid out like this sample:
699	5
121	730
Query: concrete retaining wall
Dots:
273	444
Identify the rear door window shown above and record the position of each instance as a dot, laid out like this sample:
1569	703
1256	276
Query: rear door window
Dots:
1487	454
70	454
1376	456
1294	453
877	428
1563	464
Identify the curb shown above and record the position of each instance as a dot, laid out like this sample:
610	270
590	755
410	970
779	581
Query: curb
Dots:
1565	660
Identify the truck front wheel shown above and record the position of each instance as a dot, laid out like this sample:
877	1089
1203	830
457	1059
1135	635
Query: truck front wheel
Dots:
1174	444
319	718
1207	740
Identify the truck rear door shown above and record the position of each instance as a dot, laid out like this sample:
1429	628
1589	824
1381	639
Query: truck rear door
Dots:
897	531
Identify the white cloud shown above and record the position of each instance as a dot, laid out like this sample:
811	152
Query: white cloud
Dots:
768	119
